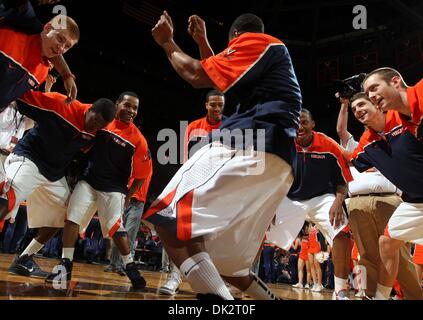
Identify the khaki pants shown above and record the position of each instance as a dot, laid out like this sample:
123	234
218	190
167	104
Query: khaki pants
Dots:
369	216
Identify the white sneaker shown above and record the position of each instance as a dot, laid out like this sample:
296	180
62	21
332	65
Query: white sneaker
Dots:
317	288
341	295
298	285
360	294
172	285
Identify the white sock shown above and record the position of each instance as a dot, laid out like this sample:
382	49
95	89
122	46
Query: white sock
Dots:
203	276
259	291
382	292
127	259
340	284
68	253
175	273
32	248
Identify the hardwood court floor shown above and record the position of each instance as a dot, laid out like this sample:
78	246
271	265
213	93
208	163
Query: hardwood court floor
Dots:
90	282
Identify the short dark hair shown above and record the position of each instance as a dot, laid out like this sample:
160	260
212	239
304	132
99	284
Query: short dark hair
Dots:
247	22
360	95
386	74
308	112
126	93
214	92
105	107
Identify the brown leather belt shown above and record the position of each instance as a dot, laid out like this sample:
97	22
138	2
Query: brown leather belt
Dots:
375	194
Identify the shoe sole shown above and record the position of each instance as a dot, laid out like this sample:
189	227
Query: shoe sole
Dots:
38	276
16	273
168	292
141	288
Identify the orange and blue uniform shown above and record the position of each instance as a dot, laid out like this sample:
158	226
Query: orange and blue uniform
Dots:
398	152
258	70
22	66
120	152
59	133
320	168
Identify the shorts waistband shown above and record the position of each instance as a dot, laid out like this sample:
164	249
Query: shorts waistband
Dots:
375	194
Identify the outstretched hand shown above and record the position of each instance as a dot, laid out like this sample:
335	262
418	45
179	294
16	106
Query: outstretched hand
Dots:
163	30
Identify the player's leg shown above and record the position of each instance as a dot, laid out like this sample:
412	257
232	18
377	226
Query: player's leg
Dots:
21	179
337	238
234	262
110	211
131	221
24	264
405	225
341	257
195	264
408	280
81	208
45	210
216	173
173	281
389	254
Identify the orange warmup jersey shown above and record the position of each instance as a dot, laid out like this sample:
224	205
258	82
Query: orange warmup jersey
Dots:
59	133
119	153
21	65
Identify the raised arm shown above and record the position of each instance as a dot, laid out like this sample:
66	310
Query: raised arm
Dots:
187	67
197	30
342	124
